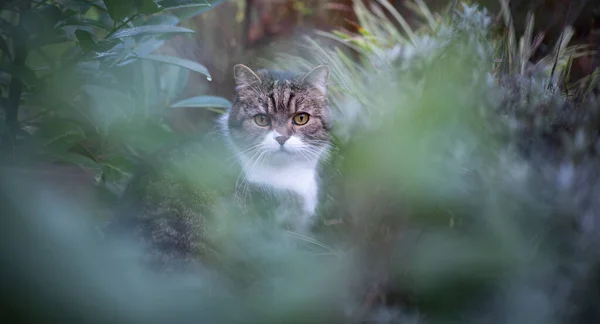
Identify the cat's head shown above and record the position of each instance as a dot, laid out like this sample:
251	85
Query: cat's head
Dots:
279	117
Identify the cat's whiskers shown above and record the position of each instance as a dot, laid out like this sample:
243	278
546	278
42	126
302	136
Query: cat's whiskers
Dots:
256	160
319	153
248	151
240	187
301	152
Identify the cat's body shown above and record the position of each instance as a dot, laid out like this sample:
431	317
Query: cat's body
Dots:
268	170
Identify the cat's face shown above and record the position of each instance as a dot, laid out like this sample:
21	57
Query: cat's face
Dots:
279	118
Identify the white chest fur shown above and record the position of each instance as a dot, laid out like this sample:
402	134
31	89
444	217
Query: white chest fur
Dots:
299	178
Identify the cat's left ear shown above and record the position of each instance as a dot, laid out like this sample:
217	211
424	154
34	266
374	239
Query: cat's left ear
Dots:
318	77
245	77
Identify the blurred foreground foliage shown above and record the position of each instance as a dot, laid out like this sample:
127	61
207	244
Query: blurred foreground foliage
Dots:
84	83
463	190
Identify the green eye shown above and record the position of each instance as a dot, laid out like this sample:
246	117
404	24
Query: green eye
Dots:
301	118
262	120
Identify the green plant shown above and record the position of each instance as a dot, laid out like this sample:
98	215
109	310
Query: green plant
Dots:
81	81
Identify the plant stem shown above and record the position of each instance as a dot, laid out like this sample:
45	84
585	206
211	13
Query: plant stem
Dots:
16	85
117	28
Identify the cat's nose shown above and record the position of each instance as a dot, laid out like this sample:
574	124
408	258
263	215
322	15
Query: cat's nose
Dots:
281	139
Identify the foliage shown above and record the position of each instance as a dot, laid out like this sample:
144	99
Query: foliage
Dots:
448	121
463	191
82	84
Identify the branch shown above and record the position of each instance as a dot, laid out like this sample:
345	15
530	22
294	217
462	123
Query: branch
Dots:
16	85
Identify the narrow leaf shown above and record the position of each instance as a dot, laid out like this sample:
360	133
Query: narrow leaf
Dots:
203	102
86	22
147	7
190	65
191	13
169	4
153	29
4	48
162	19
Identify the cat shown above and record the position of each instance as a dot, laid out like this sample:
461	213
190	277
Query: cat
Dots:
279	128
277	134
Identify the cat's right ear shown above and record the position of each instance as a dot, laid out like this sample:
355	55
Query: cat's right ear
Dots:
244	77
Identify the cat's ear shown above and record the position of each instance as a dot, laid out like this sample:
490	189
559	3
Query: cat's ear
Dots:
244	77
318	77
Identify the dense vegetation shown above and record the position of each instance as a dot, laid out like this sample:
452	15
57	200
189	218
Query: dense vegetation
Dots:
83	84
463	187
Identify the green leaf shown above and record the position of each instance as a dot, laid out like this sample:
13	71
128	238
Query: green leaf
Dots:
145	46
70	31
147	7
78	159
154	29
52	14
23	73
162	19
115	167
86	39
169	4
79	6
4	48
187	64
120	9
203	102
40	21
60	135
86	22
184	14
108	106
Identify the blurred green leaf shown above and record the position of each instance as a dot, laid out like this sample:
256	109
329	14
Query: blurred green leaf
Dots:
152	29
145	46
61	134
145	136
184	13
120	9
86	22
190	65
80	6
86	39
25	74
162	19
116	166
203	102
169	4
40	21
51	14
147	7
4	47
78	159
103	46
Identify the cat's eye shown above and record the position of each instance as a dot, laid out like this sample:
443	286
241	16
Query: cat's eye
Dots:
262	120
301	118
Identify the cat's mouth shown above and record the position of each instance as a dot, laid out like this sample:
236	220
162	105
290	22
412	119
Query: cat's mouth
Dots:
283	150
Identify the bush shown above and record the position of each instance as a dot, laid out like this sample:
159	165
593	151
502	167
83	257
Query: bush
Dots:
82	82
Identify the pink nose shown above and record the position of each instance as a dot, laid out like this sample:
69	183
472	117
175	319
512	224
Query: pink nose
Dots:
281	139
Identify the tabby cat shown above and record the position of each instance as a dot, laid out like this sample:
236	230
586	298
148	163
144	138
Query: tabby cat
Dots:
265	160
